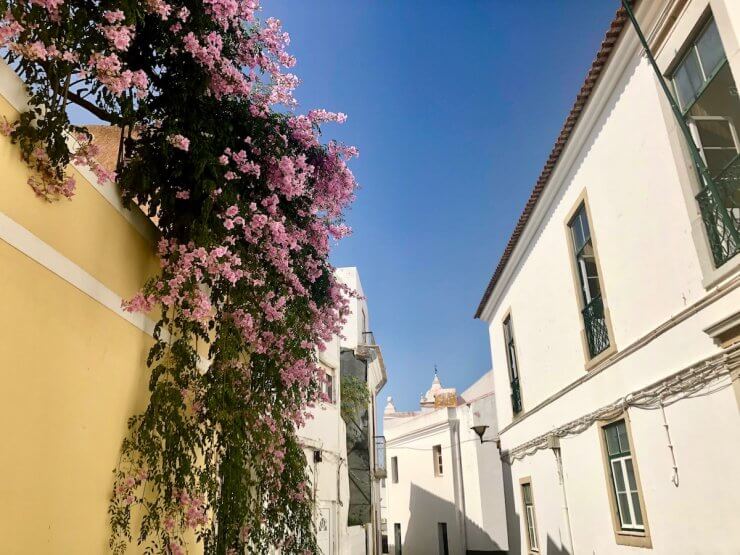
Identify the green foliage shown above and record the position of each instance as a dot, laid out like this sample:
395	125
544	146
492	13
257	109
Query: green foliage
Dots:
355	397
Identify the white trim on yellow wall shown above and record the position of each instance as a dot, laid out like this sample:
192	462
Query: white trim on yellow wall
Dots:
29	244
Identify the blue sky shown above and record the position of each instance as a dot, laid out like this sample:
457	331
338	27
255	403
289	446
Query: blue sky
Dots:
454	106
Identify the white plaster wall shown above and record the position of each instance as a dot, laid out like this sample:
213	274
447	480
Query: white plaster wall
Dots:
483	479
469	498
651	272
698	517
420	500
352	336
325	431
629	202
352	332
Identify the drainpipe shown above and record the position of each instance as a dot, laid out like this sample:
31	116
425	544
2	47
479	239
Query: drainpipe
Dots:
553	442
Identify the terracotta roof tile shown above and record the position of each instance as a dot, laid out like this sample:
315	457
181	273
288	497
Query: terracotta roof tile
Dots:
106	138
592	77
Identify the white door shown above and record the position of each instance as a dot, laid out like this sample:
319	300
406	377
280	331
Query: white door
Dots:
325	531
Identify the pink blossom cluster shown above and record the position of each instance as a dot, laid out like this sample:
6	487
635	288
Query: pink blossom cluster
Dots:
241	162
187	272
126	486
51	6
289	176
178	141
109	71
119	36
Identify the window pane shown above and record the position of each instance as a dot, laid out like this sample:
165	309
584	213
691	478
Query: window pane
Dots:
618	476
688	79
710	48
715	133
579	228
624	510
612	443
624	444
630	475
584	224
636	507
716	116
527	494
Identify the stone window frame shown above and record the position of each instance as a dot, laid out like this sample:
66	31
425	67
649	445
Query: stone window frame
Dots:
688	180
590	362
527	480
624	537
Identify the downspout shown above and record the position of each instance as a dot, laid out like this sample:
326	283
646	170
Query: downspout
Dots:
699	164
554	442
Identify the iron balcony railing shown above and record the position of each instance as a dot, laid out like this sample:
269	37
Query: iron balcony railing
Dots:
516	396
380	469
597	334
722	232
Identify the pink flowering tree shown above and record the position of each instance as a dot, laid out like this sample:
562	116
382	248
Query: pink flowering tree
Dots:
248	199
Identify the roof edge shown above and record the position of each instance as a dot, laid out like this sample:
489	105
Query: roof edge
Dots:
594	73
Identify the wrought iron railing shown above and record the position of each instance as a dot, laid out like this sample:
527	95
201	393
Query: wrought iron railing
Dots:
722	232
380	469
516	396
597	334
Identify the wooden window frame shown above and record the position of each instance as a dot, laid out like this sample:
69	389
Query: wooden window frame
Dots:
527	480
630	537
437	461
590	362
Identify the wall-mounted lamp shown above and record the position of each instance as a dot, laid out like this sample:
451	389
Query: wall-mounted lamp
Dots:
480	429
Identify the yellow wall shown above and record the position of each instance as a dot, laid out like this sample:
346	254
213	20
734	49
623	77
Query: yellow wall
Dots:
71	369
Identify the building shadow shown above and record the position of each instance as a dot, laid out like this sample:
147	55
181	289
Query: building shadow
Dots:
421	536
513	521
554	549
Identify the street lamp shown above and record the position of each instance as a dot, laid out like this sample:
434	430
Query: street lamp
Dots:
480	429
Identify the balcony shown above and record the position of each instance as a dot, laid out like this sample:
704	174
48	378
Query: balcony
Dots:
597	334
379	471
722	231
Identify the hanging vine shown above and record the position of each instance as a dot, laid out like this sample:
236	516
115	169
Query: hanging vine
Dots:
247	200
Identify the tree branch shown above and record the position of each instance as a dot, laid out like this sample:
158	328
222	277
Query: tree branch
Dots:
92	108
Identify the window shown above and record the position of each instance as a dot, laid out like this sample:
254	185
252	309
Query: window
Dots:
327	387
511	360
444	548
707	95
590	298
437	459
397	537
529	515
394	470
623	477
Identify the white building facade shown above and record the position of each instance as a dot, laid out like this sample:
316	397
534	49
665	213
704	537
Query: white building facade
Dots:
614	314
324	443
361	359
444	490
333	468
